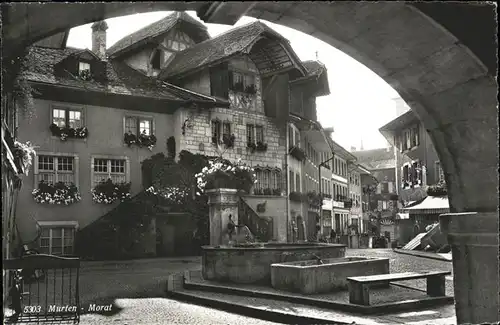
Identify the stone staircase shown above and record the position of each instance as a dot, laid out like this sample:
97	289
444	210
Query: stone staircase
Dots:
260	227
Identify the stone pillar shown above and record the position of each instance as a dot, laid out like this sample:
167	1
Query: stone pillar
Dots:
222	202
473	238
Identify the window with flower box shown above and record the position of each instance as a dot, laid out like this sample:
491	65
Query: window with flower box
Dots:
138	125
56	167
250	134
439	172
67	117
84	71
104	168
255	136
216	131
297	182
409	138
291	179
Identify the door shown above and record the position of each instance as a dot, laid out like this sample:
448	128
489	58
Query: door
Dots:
300	227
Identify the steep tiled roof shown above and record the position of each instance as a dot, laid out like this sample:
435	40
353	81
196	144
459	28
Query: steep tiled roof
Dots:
121	79
155	29
220	47
382	158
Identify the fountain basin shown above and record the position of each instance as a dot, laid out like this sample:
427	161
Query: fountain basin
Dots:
309	277
252	263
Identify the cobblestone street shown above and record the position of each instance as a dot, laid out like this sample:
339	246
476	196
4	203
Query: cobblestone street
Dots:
135	288
156	311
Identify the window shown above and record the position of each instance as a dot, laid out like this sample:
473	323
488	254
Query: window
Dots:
104	169
226	130
296	138
255	133
290	136
415	136
67	117
385	187
53	169
57	240
297	182
83	66
240	81
259	133
138	125
291	177
406	173
439	172
250	134
216	131
156	60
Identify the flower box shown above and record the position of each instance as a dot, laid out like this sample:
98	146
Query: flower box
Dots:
251	89
143	140
224	174
107	192
67	132
261	146
297	197
173	197
252	146
297	153
315	200
267	191
228	140
438	189
58	193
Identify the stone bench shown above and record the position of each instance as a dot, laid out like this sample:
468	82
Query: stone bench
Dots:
359	286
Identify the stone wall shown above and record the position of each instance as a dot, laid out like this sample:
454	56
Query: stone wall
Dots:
197	137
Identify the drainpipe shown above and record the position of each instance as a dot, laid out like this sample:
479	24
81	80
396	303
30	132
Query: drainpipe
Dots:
287	201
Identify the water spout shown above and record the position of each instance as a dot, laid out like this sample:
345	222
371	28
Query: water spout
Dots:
318	259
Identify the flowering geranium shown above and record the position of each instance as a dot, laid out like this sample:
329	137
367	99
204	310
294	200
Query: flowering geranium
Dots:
108	192
22	154
58	193
173	195
143	140
224	174
68	132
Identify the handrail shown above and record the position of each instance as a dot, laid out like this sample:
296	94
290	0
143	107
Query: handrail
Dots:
261	227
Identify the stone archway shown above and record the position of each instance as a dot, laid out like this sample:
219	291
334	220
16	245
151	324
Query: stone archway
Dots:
451	90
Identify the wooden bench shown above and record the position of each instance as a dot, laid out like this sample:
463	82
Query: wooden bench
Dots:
359	286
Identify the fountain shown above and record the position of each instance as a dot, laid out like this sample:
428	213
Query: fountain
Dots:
324	275
226	260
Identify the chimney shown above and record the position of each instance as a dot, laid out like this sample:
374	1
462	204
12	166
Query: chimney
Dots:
99	39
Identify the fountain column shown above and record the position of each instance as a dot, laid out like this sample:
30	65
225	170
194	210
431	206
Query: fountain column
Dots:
222	203
473	237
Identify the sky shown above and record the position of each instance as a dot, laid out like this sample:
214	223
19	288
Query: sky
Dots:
360	102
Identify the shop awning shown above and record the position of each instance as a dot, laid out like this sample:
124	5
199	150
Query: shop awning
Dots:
429	205
402	216
327	205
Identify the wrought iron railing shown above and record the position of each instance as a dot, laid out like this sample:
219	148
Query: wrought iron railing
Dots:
261	227
45	289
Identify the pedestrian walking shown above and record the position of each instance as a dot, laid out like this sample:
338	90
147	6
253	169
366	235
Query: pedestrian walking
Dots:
333	236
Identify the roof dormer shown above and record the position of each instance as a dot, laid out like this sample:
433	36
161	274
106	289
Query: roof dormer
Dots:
83	65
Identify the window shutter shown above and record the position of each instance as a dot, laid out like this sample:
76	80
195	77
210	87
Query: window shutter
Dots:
379	188
390	187
219	80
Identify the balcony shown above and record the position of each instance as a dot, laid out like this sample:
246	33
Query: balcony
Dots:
345	200
297	153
